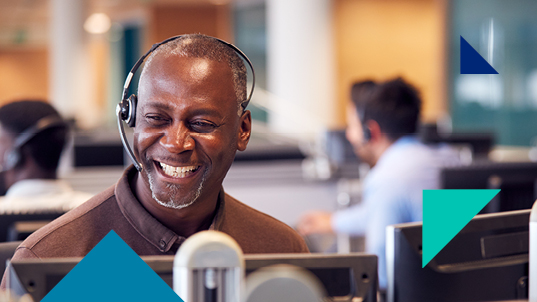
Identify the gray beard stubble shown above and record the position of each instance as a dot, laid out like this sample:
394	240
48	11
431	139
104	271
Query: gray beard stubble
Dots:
173	203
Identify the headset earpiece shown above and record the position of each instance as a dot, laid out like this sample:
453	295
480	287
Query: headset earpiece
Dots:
128	110
365	128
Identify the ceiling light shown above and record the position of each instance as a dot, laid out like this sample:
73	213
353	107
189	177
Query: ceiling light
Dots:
97	23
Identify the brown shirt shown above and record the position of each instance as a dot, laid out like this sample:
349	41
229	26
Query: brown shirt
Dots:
77	232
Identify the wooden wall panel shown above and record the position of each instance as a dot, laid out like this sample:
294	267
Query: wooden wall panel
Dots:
23	74
212	20
380	39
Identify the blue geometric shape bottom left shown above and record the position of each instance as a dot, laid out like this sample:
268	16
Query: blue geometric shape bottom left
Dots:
112	271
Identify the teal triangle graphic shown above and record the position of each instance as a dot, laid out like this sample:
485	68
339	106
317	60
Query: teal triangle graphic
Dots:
112	271
445	213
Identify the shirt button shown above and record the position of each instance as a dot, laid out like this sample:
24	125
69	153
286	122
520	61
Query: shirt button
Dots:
162	243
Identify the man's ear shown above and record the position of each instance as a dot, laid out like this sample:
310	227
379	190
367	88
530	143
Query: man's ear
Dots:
374	129
245	130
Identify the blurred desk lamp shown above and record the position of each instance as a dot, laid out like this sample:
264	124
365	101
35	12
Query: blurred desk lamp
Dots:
209	267
283	283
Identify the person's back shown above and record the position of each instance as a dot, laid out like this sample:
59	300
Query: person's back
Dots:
35	195
32	138
393	193
382	124
409	167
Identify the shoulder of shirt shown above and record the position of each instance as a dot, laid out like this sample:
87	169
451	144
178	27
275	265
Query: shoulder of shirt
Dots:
69	217
257	222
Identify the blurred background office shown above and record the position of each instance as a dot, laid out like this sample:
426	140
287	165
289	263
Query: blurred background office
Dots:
307	54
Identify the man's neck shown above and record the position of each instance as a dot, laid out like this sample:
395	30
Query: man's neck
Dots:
380	148
184	222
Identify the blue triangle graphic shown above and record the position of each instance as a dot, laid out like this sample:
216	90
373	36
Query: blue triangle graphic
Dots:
112	271
472	62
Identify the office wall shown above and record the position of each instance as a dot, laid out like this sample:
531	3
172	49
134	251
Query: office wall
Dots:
23	74
172	20
373	38
384	38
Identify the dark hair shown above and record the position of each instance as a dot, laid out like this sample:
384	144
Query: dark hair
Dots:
46	147
360	94
395	105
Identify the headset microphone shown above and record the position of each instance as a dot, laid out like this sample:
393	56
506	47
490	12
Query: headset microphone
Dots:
126	109
365	129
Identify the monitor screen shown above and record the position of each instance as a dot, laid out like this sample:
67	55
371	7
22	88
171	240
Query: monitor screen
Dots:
516	181
345	277
479	143
8	220
486	261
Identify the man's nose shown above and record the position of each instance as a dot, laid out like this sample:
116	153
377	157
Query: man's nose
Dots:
178	139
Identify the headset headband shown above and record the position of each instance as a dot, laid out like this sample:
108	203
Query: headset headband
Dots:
157	45
43	124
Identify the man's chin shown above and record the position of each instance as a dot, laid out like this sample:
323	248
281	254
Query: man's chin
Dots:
175	199
174	204
173	196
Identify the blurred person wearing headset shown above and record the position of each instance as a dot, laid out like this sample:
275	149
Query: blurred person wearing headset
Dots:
382	124
32	138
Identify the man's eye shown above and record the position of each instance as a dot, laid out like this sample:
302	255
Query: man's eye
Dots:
155	120
202	126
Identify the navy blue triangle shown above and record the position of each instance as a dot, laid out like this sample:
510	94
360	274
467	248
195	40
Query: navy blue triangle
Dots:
472	62
112	271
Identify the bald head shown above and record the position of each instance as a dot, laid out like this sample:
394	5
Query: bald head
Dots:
204	47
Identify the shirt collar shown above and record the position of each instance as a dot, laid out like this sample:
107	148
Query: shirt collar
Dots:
405	140
391	156
32	187
147	225
392	150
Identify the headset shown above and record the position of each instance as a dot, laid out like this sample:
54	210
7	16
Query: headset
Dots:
126	109
13	157
365	129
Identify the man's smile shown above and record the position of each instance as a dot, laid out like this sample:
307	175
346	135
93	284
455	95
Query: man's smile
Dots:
178	172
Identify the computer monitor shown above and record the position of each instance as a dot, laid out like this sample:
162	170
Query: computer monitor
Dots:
486	261
517	182
348	277
8	220
479	143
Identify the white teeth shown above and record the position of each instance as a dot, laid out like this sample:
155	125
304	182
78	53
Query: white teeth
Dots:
178	172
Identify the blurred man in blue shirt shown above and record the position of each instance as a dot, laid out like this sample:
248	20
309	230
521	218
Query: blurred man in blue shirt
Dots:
382	123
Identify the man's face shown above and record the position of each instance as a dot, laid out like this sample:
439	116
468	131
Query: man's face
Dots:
187	128
355	135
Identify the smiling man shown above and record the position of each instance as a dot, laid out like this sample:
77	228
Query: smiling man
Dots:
189	124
